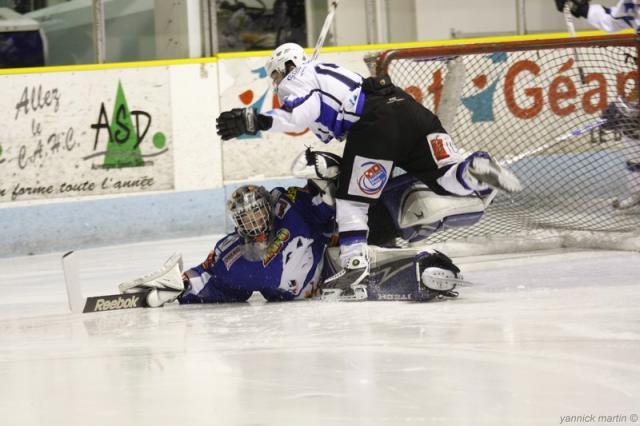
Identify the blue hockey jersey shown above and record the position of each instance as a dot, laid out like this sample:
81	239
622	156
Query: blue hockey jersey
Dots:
290	268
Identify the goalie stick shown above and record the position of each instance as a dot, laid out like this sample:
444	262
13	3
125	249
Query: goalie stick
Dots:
110	302
325	29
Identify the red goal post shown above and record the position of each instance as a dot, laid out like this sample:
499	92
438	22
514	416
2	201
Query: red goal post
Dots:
516	99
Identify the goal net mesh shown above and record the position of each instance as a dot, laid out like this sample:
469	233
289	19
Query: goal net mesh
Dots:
515	100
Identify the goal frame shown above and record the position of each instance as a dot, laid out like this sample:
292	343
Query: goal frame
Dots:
379	63
382	59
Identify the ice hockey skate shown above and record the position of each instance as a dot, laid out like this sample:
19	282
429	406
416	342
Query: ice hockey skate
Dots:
488	171
162	286
350	283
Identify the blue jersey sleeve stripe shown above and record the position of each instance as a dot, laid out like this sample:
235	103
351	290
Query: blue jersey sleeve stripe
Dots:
289	105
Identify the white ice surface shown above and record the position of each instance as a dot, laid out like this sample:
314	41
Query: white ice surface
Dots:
539	336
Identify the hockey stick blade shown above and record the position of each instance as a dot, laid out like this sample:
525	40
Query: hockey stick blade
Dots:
571	134
114	302
583	130
72	282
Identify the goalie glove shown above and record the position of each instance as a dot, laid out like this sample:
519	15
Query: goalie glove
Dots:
578	8
316	165
162	286
321	169
240	121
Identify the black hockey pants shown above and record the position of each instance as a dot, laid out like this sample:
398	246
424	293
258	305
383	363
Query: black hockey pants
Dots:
392	132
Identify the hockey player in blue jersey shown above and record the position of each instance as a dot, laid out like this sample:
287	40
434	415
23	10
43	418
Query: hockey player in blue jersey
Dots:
383	127
277	248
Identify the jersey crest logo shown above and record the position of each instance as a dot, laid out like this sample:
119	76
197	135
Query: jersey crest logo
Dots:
276	246
373	179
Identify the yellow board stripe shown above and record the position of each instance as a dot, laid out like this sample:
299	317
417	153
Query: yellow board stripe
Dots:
109	66
190	61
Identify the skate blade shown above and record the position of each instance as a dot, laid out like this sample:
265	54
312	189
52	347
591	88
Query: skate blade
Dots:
337	295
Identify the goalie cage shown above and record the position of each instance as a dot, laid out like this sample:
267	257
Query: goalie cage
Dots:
515	99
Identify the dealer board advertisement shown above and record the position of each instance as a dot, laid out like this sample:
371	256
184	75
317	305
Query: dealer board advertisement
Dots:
70	134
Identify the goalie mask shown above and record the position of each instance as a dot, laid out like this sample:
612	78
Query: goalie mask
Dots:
251	212
277	64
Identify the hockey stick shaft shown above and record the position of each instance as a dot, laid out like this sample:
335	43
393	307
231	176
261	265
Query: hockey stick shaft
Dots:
571	134
325	29
582	130
572	32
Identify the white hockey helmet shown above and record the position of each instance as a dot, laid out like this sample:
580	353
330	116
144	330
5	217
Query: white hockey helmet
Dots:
281	55
250	209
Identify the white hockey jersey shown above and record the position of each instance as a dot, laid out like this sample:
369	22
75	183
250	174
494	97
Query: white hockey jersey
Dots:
326	98
622	16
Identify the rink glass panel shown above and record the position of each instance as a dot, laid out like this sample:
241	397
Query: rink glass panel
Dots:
514	100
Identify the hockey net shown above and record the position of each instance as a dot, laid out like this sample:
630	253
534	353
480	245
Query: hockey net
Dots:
515	100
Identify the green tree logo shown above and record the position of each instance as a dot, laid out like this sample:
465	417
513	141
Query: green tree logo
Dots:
127	130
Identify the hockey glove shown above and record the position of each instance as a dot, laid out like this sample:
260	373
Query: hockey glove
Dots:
316	165
240	121
321	169
578	8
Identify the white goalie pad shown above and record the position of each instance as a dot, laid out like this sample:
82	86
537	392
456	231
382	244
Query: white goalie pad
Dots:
169	277
421	206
